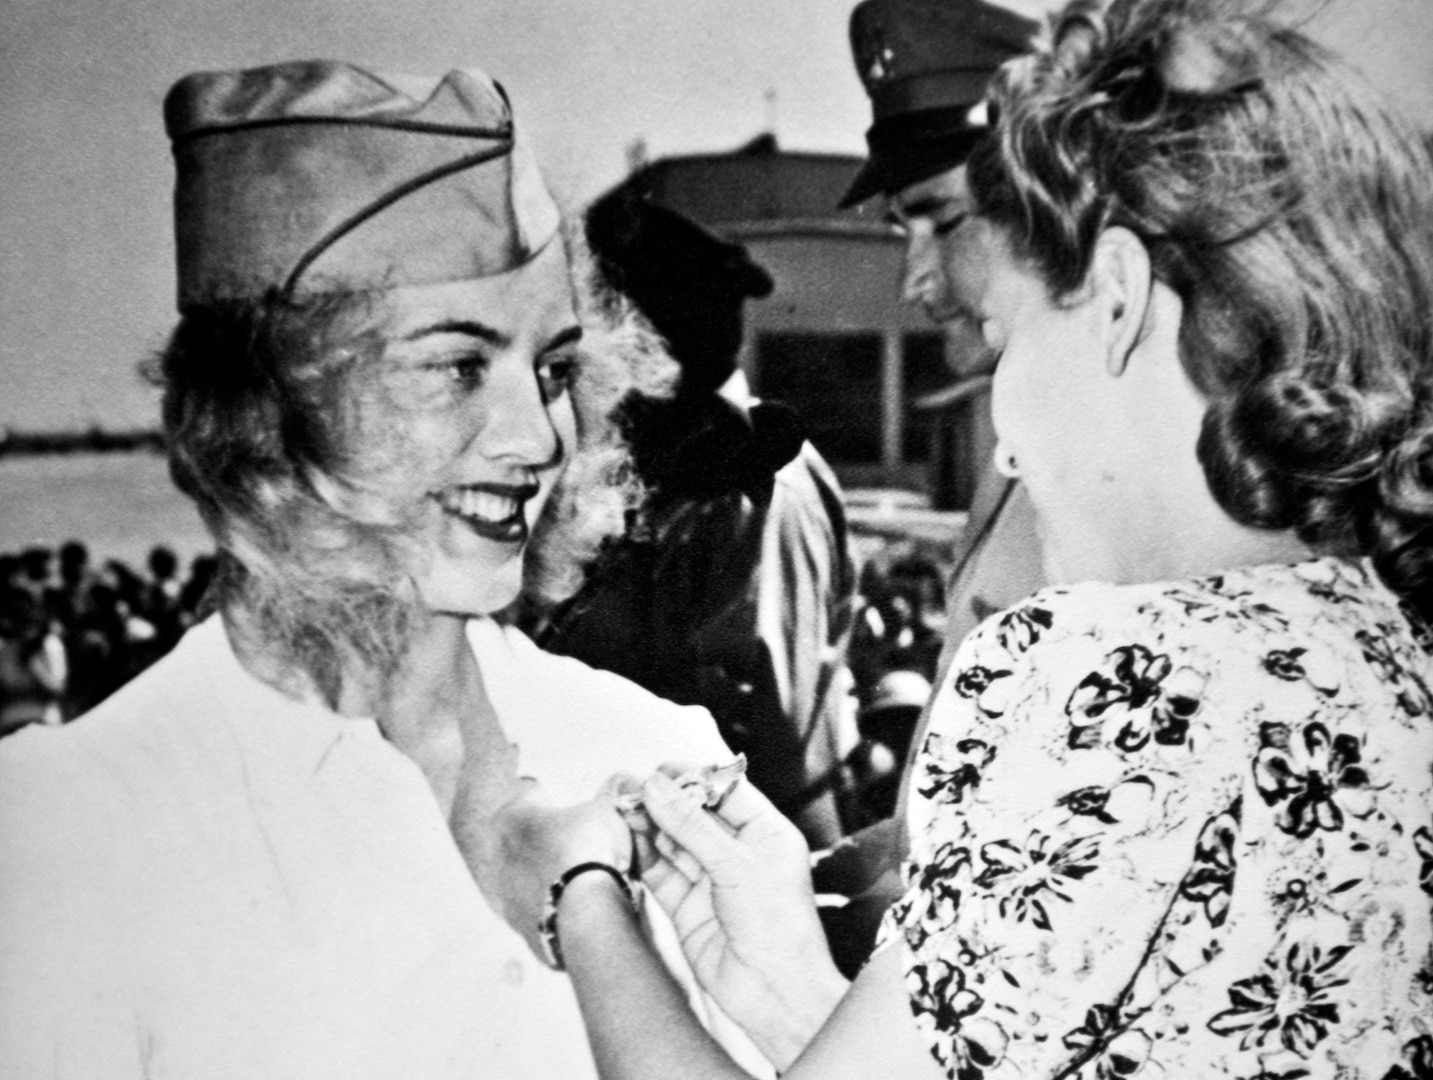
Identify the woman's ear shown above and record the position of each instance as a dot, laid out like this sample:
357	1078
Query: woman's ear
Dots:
1121	279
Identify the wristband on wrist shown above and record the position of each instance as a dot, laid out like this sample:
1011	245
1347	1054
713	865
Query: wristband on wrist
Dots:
547	925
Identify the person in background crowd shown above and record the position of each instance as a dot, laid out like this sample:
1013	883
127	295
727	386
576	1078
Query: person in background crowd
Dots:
76	575
384	401
889	716
161	597
736	590
37	569
926	64
33	666
898	627
887	721
96	642
1173	814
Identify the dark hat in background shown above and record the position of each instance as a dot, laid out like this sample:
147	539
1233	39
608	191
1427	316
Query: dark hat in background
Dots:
653	253
688	282
316	175
926	65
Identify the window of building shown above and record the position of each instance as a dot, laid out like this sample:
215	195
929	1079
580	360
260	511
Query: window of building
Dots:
923	372
834	382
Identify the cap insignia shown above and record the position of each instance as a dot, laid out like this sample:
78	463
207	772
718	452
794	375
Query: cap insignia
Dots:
882	58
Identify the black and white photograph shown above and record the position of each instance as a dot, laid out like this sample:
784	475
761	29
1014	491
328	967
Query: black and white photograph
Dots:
716	539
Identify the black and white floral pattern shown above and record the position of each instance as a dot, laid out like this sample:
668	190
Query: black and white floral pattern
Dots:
1182	829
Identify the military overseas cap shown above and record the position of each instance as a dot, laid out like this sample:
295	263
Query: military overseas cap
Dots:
926	65
315	176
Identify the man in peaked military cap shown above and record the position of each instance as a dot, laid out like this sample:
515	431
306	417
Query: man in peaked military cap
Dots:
926	65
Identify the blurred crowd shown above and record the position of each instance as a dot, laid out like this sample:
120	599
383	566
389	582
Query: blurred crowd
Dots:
72	631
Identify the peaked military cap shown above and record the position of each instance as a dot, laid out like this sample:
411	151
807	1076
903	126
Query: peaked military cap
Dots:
925	65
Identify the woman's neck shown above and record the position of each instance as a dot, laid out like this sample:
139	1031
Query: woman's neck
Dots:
431	704
1149	514
436	710
1224	547
435	674
1164	539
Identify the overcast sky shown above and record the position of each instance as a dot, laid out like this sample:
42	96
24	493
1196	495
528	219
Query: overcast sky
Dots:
86	283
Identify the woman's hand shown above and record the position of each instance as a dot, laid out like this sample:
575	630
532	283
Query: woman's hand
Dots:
736	882
517	850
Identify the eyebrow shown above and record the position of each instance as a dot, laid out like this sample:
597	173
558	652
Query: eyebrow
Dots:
484	332
469	327
563	337
926	206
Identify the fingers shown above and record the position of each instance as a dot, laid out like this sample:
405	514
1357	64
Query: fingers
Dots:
681	816
673	874
645	854
683	893
668	884
742	805
679	858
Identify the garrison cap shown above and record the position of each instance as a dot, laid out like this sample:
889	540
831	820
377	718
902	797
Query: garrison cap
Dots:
926	65
314	176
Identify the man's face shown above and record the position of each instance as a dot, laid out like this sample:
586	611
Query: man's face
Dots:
929	213
938	273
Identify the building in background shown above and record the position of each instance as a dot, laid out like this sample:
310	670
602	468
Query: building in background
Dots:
877	384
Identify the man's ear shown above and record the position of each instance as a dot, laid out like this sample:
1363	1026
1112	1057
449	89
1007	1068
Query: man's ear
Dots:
1121	279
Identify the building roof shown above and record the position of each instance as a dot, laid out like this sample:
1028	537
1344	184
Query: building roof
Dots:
758	182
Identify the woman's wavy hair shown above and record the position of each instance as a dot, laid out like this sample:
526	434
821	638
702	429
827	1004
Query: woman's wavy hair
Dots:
1293	216
599	495
256	398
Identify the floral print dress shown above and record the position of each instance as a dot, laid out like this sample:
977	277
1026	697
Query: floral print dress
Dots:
1179	830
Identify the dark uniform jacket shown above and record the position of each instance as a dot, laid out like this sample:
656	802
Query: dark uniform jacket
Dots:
736	593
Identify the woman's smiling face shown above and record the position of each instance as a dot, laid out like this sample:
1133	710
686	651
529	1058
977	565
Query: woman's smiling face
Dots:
459	427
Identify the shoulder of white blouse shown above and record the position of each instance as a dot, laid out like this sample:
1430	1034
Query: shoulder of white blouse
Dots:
543	689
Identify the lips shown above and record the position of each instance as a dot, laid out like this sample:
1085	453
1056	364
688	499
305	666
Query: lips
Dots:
493	511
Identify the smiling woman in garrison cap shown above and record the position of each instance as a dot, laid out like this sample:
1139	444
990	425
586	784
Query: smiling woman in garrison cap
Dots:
388	394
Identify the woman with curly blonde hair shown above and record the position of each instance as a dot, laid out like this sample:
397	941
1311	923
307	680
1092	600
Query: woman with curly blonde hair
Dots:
390	395
1174	815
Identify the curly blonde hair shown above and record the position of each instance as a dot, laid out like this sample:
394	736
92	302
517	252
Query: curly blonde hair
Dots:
255	393
599	492
1288	209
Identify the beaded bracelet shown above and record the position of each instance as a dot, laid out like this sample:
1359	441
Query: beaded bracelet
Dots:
547	925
